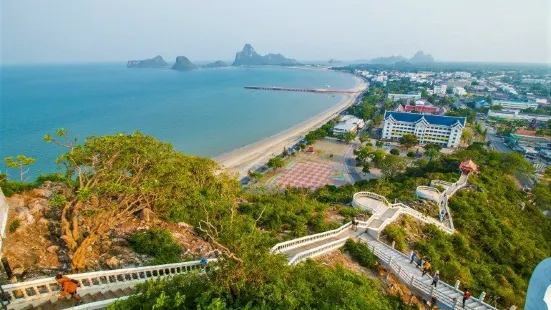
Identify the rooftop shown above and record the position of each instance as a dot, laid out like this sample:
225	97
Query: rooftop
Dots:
431	119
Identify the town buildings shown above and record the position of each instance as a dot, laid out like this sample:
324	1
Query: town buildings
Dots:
442	130
459	91
515	114
518	105
396	97
440	90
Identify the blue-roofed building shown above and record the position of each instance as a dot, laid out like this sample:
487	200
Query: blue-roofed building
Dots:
442	130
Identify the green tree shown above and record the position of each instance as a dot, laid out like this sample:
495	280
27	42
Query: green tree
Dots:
158	243
394	151
379	143
285	153
391	165
364	137
348	137
467	136
20	162
275	162
432	153
120	175
408	140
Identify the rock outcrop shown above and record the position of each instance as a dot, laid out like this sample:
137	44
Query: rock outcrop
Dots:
249	57
421	57
183	64
156	62
388	60
216	64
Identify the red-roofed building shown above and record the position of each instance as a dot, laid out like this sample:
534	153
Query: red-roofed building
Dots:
468	166
423	109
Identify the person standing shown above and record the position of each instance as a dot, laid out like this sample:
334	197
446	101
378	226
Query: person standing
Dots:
466	296
68	287
436	278
412	256
425	268
354	224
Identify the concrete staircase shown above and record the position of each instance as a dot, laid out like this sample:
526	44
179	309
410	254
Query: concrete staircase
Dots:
68	303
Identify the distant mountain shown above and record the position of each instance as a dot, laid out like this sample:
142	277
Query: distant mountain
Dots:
249	57
421	57
388	60
183	64
216	64
156	62
334	61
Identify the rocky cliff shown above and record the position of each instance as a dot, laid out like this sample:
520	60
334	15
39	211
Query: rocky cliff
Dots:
216	64
156	62
421	57
249	57
183	64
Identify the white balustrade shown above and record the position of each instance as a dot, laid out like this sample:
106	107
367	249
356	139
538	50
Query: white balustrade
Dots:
3	219
291	244
43	289
319	250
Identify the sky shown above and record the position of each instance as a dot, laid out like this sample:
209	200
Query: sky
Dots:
56	31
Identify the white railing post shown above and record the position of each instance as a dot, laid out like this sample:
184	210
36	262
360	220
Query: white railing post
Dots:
393	244
411	281
456	302
456	286
482	296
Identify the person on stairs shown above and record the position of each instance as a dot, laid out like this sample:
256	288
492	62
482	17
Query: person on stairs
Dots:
354	224
436	278
466	296
425	268
68	287
412	256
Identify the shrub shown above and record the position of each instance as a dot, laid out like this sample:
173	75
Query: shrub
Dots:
158	243
379	144
14	225
397	234
361	253
394	152
58	201
52	177
411	154
349	212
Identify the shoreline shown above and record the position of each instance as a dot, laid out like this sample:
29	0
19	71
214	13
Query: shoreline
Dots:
249	157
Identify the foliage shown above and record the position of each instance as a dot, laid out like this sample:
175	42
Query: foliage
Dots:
409	140
291	211
361	253
120	175
19	162
347	137
350	212
58	201
320	133
391	165
158	243
379	144
275	162
411	154
266	282
364	137
395	151
397	234
15	223
10	188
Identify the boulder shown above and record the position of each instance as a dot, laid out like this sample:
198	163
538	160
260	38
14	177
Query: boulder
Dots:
52	249
38	206
23	214
15	202
112	262
42	192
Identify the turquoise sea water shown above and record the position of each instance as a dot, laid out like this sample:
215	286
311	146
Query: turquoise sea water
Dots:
205	112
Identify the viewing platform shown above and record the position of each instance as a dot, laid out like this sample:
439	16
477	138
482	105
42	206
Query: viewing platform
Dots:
305	90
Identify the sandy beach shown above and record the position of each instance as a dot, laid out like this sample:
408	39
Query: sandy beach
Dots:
249	157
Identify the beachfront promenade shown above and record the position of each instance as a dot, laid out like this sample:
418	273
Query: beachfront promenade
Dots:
305	90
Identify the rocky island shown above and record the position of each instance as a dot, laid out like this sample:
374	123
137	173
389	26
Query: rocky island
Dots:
249	57
156	62
421	57
183	64
216	64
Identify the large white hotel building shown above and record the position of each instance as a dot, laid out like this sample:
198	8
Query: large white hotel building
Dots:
443	130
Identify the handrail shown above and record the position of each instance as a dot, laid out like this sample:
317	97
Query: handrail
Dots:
407	279
47	287
371	195
317	250
96	305
308	239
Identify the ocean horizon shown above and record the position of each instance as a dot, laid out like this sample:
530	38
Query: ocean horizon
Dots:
204	112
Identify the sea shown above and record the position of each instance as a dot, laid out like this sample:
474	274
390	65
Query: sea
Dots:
203	112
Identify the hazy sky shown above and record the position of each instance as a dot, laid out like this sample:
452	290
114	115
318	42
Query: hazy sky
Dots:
116	30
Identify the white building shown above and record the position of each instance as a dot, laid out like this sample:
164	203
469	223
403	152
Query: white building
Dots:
442	130
348	123
462	74
515	114
440	89
396	97
515	105
459	91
